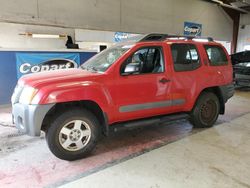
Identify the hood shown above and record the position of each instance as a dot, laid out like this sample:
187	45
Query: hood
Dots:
57	76
240	57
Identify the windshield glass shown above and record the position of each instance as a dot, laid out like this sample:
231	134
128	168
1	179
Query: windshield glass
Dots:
102	61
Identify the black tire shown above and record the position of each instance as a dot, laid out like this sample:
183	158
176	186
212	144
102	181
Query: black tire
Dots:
54	135
206	110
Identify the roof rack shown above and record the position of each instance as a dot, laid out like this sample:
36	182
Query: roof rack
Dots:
162	37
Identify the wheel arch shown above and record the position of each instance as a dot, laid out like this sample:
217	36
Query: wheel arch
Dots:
92	106
218	92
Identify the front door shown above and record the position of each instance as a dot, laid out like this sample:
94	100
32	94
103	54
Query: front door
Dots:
143	84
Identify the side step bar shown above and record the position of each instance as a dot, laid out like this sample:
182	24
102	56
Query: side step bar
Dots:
146	122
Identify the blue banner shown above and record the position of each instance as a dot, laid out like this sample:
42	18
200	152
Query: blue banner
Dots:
37	62
193	29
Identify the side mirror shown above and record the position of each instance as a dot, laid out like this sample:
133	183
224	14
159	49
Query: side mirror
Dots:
132	68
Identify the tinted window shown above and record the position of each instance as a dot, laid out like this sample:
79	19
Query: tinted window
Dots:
216	55
185	57
143	61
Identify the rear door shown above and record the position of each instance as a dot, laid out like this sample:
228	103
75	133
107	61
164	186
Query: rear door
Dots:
187	77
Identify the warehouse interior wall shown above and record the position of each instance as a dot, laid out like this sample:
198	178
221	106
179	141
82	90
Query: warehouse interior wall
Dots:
244	33
11	38
135	16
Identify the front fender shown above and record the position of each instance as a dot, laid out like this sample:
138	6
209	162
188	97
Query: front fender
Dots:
68	92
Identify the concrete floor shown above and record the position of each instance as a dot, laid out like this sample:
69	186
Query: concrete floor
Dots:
181	157
217	157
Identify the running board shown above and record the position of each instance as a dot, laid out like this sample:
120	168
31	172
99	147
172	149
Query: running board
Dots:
146	122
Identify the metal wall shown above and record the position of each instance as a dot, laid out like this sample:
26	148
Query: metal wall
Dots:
244	33
136	16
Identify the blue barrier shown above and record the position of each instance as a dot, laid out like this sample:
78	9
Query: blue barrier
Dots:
11	61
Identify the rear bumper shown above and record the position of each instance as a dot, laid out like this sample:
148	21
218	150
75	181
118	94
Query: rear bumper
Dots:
29	118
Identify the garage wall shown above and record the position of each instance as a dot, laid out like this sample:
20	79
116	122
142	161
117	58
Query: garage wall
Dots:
244	33
135	16
11	38
244	19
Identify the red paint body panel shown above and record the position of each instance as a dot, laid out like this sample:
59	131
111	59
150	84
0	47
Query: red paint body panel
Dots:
110	90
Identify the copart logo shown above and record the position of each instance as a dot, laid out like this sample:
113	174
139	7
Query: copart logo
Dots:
192	30
54	64
120	36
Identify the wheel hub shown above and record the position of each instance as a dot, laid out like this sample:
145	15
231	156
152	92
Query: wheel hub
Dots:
75	135
208	110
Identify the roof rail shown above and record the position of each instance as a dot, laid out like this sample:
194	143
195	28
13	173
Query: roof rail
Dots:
154	37
162	37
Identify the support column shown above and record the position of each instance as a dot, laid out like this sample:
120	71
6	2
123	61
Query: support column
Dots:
235	16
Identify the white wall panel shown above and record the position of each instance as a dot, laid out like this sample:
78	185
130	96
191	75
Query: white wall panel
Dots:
244	38
10	38
135	16
244	33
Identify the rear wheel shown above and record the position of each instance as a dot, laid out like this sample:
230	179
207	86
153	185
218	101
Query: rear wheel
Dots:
73	134
206	110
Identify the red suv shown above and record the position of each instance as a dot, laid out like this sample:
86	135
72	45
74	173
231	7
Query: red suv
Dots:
151	80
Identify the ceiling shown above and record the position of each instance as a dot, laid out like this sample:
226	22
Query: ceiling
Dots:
242	6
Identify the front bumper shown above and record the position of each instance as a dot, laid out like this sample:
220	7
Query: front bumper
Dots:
29	118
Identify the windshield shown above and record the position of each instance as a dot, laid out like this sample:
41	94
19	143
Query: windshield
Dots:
102	61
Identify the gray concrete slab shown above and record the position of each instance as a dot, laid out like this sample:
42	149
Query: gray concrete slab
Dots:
216	157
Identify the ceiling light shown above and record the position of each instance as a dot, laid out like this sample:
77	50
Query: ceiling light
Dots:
44	36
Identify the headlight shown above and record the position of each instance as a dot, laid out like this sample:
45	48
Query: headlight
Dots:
27	95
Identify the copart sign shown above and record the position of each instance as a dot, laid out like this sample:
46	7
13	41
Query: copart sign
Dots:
38	62
193	29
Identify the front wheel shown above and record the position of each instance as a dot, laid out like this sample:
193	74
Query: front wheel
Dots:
73	134
206	110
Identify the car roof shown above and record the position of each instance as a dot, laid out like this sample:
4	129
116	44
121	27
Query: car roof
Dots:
156	37
166	38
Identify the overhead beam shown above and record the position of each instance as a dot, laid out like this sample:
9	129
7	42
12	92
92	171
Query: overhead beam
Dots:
225	5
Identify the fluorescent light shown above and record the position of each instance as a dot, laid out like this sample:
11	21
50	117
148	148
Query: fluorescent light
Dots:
44	36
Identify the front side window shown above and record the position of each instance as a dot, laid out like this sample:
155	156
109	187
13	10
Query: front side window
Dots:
144	61
216	55
185	57
102	61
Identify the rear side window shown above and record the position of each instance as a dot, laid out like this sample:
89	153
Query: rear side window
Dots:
185	57
216	55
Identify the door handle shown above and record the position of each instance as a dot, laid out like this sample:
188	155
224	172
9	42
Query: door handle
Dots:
164	80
